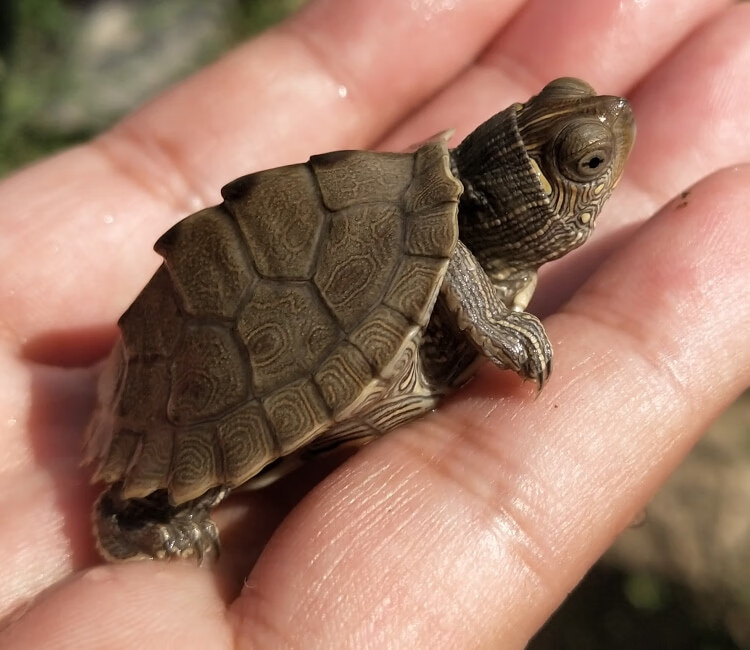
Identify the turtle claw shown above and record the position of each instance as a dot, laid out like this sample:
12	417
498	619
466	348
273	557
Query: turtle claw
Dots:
193	536
519	343
543	377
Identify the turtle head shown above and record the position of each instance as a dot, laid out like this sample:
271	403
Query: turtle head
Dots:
537	174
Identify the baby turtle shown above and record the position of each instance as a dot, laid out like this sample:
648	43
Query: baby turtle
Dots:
330	301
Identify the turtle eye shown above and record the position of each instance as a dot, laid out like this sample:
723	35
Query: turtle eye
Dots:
584	151
591	162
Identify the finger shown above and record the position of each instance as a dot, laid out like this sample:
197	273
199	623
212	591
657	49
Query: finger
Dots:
534	49
126	606
621	40
694	109
77	230
469	528
692	119
45	496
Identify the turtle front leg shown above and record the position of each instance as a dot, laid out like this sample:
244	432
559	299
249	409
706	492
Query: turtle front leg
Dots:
516	288
153	528
510	339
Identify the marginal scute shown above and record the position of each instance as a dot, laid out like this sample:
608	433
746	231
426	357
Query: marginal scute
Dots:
281	217
358	258
287	331
196	465
354	178
342	377
121	453
209	375
247	442
414	291
157	297
151	467
432	231
433	182
144	392
297	413
100	430
382	336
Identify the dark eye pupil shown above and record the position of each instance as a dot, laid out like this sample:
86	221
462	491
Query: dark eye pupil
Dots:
594	162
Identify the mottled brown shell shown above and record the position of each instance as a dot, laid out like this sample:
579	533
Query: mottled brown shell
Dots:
272	317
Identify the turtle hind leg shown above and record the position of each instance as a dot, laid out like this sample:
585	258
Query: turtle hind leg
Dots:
151	527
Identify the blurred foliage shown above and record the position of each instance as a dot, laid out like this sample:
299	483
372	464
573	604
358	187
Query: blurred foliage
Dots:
619	611
252	16
70	68
32	44
43	48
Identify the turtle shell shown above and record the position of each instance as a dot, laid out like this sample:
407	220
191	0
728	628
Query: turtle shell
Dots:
273	318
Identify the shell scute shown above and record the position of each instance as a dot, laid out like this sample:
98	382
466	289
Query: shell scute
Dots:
247	441
358	259
157	297
342	377
382	336
208	375
281	217
204	255
433	183
121	452
352	178
145	388
413	290
196	465
430	232
150	465
287	331
297	412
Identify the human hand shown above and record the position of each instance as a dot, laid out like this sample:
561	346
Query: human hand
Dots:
469	527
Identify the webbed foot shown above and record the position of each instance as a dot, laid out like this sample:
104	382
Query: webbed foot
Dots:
152	528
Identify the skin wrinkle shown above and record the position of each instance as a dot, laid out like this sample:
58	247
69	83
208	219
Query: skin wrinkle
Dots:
312	598
329	518
397	566
379	549
370	523
149	163
634	340
253	622
352	525
450	465
408	574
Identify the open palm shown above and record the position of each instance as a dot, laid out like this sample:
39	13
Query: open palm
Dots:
467	528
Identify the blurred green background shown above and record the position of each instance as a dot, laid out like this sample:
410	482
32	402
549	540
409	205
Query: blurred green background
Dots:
68	69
